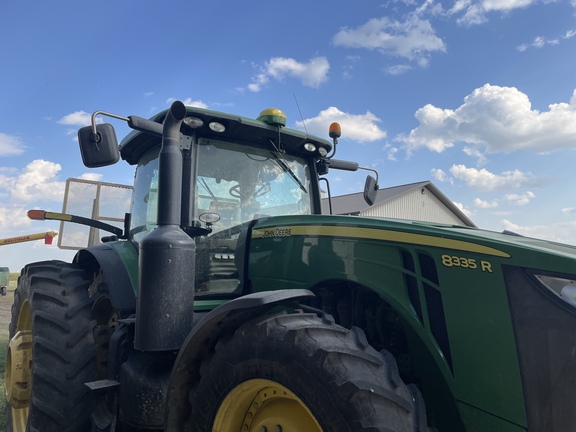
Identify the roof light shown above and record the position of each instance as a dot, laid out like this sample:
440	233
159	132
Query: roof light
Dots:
193	122
309	147
273	117
217	127
323	152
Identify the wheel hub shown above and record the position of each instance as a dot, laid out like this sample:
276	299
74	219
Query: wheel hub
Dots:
19	369
264	406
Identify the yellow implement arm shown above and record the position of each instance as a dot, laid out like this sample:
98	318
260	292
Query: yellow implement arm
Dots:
46	236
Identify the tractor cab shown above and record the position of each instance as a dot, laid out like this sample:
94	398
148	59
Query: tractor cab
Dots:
234	184
226	172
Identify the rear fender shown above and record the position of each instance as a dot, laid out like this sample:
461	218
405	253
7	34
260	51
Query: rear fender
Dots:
119	264
203	337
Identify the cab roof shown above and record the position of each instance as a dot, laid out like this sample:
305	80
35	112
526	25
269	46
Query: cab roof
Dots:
237	129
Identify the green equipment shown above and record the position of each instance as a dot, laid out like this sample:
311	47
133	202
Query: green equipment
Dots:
229	302
4	280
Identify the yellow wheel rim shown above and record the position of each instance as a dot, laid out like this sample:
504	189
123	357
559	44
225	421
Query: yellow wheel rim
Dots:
264	406
19	369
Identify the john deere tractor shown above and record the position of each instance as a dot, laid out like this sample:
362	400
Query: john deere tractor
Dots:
229	302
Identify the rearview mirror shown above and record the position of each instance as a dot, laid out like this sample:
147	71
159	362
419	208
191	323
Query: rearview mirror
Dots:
98	149
370	190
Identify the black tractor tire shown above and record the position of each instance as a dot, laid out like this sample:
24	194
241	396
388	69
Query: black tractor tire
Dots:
53	308
291	372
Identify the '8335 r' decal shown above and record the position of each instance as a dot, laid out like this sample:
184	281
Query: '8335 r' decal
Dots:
467	263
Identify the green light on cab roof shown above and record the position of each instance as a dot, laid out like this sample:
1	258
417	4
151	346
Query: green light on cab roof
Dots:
273	117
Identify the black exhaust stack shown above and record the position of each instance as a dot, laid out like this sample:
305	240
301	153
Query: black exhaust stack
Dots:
166	268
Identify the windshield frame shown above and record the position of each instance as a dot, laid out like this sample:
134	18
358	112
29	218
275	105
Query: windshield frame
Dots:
190	188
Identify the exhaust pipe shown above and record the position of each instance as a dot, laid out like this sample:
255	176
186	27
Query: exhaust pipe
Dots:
166	267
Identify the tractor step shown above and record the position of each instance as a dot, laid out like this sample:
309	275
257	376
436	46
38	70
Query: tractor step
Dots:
102	384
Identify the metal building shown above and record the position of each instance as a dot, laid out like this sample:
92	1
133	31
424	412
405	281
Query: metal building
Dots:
420	201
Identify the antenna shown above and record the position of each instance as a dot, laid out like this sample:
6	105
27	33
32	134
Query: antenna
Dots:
303	122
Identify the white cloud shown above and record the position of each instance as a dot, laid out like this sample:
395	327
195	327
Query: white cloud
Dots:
397	69
505	5
91	176
439	175
538	42
520	199
485	204
77	118
13	216
475	153
541	41
495	119
562	232
484	180
189	102
357	127
474	12
311	74
391	151
36	182
414	39
10	145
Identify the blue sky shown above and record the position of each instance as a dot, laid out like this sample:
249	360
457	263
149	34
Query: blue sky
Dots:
476	96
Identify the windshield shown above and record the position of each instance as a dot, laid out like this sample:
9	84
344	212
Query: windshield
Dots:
241	185
237	182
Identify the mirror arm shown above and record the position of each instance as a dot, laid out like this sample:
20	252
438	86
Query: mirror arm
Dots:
374	171
93	119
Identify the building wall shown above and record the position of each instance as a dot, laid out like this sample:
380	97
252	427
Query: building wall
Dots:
418	204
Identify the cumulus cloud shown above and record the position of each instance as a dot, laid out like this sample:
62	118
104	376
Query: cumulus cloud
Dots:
357	127
475	12
311	74
189	102
440	175
495	119
520	199
77	118
391	152
10	145
36	182
485	204
562	232
91	176
413	39
484	180
13	216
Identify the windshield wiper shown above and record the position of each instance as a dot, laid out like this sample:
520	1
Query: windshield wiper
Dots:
286	168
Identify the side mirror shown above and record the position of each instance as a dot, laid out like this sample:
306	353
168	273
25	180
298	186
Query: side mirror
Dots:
370	190
98	149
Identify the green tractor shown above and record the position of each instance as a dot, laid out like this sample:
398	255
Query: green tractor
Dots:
229	302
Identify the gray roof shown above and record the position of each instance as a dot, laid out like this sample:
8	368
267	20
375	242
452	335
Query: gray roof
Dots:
354	204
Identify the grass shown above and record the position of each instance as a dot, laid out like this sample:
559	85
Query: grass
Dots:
6	302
